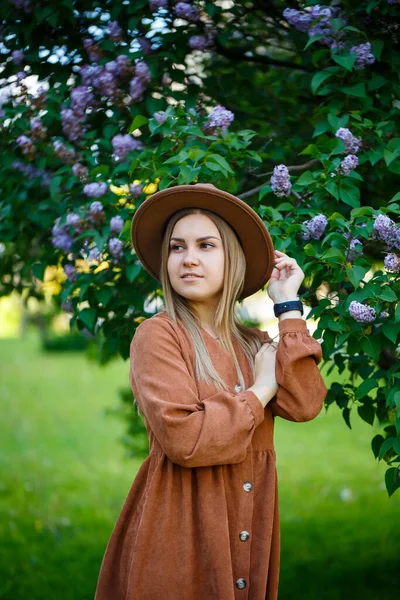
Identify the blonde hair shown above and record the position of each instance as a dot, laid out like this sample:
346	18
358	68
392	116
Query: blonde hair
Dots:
225	320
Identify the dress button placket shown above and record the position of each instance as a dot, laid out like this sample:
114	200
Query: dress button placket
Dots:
241	583
244	536
238	388
247	486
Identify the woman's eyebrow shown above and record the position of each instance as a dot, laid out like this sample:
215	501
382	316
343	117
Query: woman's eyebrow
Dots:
205	237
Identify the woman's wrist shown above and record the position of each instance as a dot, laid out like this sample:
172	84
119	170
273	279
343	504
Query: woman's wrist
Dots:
263	393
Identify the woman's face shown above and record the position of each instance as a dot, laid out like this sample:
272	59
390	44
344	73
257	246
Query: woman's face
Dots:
189	254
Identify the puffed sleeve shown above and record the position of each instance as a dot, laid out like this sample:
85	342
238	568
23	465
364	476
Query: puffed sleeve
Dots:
302	390
192	432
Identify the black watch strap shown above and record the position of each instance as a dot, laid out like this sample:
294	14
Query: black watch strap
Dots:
282	307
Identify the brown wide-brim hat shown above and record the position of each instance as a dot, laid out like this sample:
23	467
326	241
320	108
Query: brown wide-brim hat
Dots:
151	218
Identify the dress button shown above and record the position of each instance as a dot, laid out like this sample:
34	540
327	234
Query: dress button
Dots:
244	536
238	388
241	583
247	486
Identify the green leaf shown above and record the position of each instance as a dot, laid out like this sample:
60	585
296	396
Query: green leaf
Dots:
132	271
389	157
345	61
346	417
365	387
221	161
367	413
376	444
309	250
54	185
387	294
38	270
395	197
391	331
305	178
332	188
357	90
392	480
88	318
312	39
138	122
264	191
311	150
371	346
104	295
333	253
355	273
319	78
348	197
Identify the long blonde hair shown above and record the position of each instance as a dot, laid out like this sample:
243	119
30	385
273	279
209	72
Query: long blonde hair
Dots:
225	320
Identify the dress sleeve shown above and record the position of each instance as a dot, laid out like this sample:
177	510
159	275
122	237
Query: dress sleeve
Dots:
302	390
192	432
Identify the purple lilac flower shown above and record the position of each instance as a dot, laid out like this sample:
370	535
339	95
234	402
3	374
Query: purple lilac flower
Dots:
71	124
115	246
123	144
70	272
348	164
24	5
106	84
94	254
137	88
145	45
79	170
81	98
74	221
361	312
95	190
142	71
115	32
297	18
121	67
21	75
316	227
219	119
92	49
61	239
160	117
187	11
67	305
18	57
156	4
364	55
355	248
280	181
31	172
116	224
384	229
392	262
26	145
65	154
135	190
316	21
352	143
198	42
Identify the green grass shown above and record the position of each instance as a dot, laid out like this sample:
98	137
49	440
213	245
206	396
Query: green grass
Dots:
64	478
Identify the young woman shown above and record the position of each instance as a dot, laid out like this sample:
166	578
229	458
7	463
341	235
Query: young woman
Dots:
201	521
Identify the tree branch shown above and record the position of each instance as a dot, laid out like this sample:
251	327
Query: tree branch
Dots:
265	60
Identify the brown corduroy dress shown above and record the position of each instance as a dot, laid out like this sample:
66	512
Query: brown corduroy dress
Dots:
201	520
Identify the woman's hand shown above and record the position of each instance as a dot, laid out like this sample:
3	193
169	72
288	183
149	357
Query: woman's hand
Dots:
285	279
264	363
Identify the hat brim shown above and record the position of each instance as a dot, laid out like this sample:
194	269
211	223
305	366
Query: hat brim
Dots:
150	219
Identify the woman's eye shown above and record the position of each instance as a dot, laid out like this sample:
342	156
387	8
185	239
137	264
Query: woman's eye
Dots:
173	247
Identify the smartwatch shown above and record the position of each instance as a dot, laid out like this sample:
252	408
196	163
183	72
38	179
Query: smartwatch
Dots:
282	307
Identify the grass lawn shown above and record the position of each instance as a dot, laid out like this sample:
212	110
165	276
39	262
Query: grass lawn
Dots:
64	478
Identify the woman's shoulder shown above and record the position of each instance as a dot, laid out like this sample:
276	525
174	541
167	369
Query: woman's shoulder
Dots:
155	328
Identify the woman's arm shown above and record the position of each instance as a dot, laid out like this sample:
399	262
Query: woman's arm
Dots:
302	390
191	432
